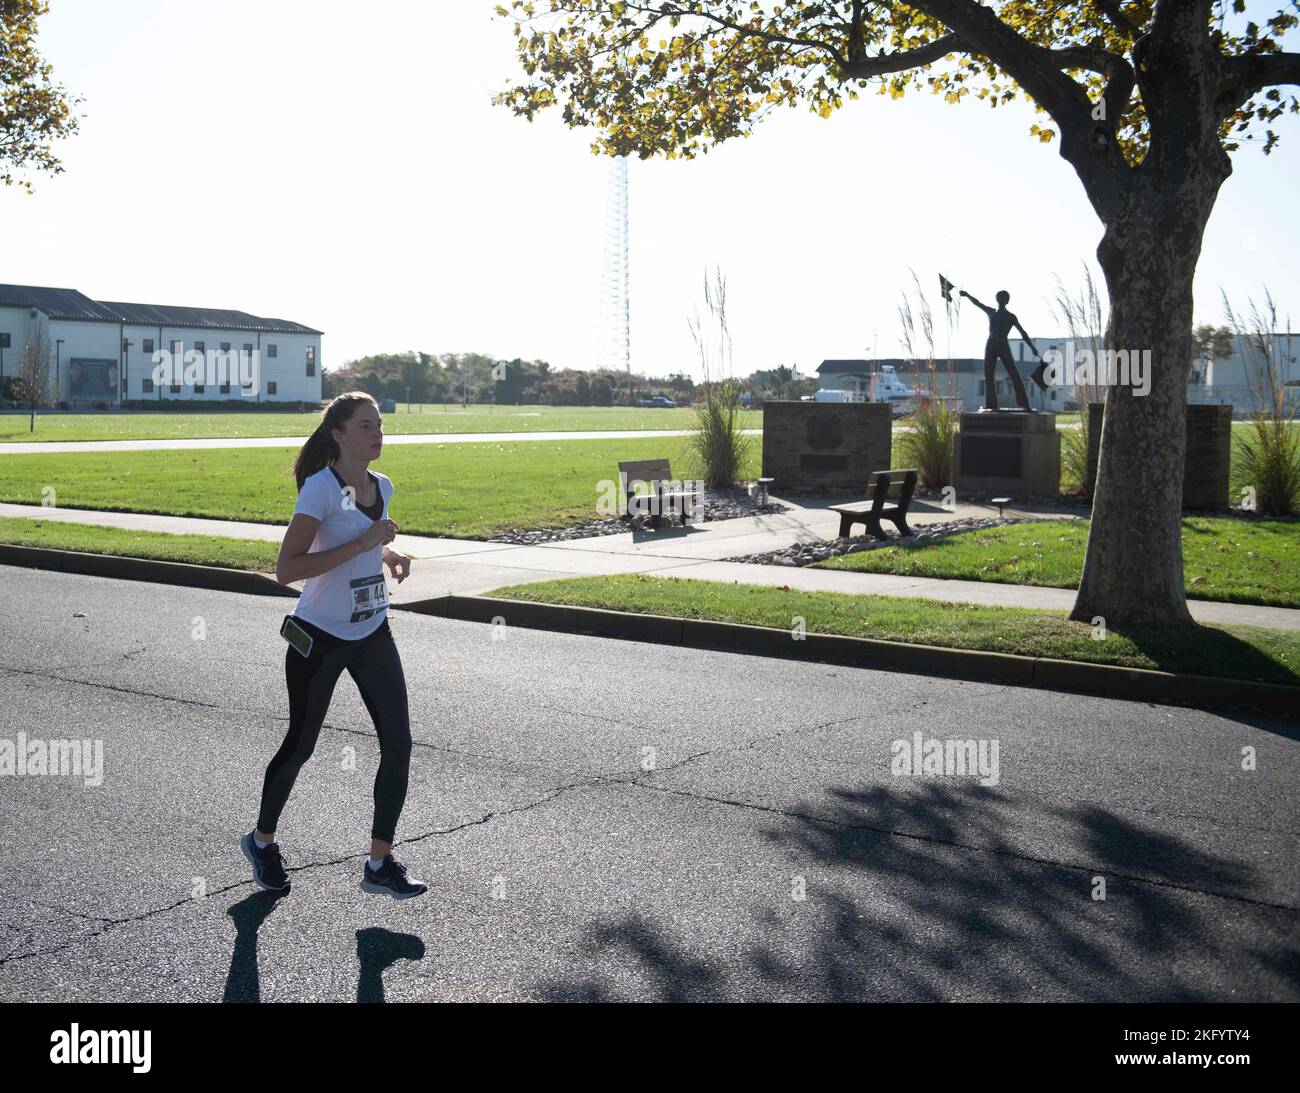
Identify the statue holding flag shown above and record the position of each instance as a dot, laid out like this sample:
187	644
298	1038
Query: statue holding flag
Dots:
1001	323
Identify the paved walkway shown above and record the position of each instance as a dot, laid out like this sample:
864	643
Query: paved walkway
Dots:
36	447
466	566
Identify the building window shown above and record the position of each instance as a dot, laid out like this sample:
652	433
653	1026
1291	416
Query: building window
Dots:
270	350
148	387
146	346
224	389
981	391
225	347
200	347
176	388
311	360
270	387
4	341
248	348
198	388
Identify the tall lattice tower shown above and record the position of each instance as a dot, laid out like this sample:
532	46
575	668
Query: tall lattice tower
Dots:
614	346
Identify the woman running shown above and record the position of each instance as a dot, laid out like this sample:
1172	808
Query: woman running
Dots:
342	512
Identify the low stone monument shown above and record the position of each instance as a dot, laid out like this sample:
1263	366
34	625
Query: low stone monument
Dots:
1207	461
825	444
1015	452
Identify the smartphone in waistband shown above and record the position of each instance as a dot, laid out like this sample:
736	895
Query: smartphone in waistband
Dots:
296	636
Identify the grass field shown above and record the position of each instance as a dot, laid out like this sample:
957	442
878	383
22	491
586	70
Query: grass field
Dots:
94	539
461	490
151	425
1241	561
1242	652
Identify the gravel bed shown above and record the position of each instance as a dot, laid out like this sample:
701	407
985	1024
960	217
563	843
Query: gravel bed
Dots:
718	505
818	550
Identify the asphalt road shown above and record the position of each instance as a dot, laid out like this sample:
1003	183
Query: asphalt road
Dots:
769	853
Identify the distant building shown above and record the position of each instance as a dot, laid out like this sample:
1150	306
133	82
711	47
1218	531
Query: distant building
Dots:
1235	380
962	378
103	350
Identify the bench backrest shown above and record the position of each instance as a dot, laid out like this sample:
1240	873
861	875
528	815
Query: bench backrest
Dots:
644	470
898	484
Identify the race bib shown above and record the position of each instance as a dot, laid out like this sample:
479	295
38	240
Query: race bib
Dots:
369	597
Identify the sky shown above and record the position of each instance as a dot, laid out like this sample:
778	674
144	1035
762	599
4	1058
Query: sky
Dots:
341	165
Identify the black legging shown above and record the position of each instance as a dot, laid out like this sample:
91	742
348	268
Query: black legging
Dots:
375	667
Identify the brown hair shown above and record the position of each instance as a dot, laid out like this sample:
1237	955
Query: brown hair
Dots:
321	450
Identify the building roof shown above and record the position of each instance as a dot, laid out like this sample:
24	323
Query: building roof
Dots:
67	303
57	303
213	317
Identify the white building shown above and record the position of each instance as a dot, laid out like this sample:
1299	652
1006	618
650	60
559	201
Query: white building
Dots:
962	379
103	350
1238	379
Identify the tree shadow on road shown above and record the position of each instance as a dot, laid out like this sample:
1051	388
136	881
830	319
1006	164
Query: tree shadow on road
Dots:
931	893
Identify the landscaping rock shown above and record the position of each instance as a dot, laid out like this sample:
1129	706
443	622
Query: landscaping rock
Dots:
800	554
717	505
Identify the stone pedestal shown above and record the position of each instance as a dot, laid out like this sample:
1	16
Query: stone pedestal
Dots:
1008	451
828	444
1208	458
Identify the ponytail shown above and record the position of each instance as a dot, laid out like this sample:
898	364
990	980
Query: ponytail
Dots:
321	449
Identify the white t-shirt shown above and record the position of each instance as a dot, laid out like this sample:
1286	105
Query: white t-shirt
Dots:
349	601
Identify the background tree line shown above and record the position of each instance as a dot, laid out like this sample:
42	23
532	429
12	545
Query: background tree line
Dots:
452	377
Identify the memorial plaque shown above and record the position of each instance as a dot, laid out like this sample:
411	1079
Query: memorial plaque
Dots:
815	462
991	456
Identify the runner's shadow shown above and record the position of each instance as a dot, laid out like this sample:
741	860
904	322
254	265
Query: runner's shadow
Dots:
248	914
378	949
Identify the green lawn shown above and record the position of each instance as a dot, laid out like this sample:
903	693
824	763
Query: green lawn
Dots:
1242	652
1240	561
160	425
93	539
459	490
1239	652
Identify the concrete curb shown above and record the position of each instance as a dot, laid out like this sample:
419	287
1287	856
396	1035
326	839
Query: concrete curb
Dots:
1141	685
1134	684
144	569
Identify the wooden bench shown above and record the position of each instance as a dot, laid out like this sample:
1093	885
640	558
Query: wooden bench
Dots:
663	488
877	507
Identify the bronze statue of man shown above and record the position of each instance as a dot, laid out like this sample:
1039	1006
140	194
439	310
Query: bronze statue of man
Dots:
1001	322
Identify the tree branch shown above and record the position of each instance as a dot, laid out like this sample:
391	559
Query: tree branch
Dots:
1120	21
739	28
1091	150
902	59
1259	70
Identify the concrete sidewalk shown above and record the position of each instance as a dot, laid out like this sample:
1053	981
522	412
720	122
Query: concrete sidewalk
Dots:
467	567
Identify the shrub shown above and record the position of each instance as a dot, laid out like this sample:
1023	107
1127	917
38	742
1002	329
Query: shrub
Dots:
928	446
717	442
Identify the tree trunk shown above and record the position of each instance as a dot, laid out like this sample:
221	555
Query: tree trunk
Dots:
1133	567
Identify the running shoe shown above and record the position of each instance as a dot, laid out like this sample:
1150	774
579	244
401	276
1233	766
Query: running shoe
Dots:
268	866
390	880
